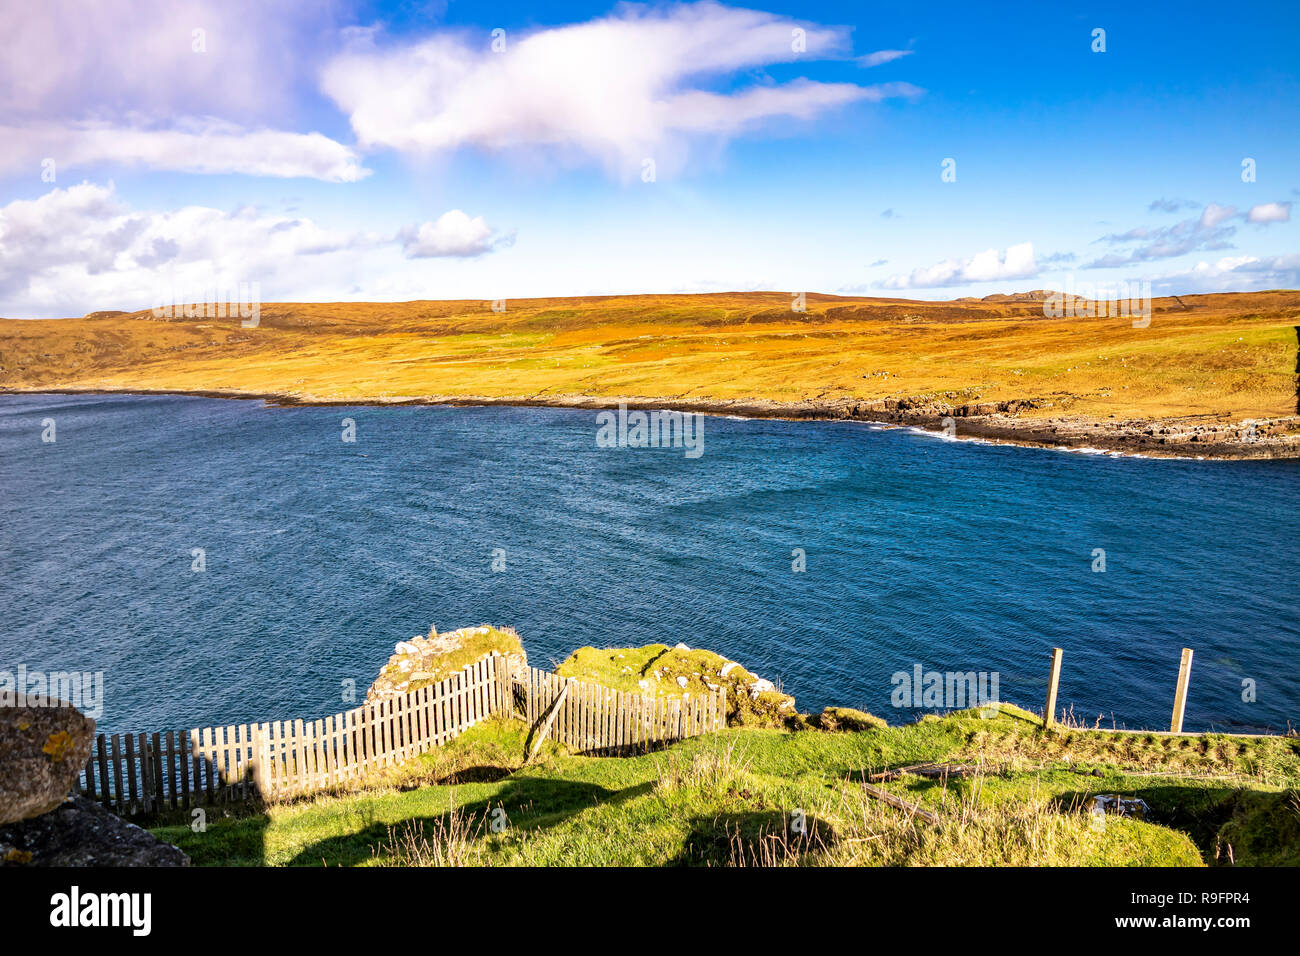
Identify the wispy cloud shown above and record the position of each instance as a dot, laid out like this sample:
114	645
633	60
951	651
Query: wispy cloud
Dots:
199	147
1234	274
1172	205
882	56
620	89
1210	231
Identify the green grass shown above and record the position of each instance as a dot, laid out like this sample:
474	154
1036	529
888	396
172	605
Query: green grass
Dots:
663	671
765	796
656	666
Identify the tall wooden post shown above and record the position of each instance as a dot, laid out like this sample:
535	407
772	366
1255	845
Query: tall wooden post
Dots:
505	685
261	777
1180	695
1049	709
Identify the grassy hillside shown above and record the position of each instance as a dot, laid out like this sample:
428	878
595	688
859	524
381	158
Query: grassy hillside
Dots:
746	797
1233	356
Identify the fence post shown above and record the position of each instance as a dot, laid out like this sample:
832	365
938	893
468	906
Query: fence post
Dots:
260	762
505	685
1049	709
1180	695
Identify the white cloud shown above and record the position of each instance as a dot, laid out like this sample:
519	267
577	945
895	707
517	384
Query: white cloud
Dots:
82	248
1213	214
882	56
1017	262
91	83
68	59
620	89
1212	230
453	234
1270	212
207	147
1234	274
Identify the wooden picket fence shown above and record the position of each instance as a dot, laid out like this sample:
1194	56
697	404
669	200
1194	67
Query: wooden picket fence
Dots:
134	774
140	774
597	720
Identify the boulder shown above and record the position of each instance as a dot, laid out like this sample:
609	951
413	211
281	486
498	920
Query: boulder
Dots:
44	743
79	832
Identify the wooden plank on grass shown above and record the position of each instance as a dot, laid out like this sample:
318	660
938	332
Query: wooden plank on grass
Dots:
549	720
884	796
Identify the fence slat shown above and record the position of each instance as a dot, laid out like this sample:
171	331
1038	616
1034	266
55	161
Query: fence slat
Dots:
287	758
156	770
102	747
408	706
318	755
184	758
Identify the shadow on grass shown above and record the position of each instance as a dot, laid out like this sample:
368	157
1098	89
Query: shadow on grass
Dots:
485	773
531	803
758	838
1229	825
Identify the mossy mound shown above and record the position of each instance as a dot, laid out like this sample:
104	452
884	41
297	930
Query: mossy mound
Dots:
846	719
660	670
422	661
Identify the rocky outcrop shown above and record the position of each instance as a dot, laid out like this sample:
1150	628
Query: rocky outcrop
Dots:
422	661
660	670
44	743
1003	421
79	832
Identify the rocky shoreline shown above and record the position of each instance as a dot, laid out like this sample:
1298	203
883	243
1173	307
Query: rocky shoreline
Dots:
1197	437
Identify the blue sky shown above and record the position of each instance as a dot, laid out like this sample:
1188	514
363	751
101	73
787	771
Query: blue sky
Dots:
387	151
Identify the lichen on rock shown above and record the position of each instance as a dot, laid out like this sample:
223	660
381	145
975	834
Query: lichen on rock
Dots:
44	743
422	661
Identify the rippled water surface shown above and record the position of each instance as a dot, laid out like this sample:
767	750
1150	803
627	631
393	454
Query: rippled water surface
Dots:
321	554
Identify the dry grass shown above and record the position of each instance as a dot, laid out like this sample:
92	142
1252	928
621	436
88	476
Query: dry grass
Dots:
1231	355
714	770
1030	832
451	840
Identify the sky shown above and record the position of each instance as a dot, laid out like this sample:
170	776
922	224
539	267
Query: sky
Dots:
366	151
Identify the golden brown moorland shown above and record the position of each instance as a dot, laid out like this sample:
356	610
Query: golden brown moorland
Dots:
1208	362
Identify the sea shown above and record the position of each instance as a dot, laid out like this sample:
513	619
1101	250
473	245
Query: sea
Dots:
217	561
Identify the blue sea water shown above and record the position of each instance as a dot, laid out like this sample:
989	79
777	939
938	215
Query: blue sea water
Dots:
320	554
